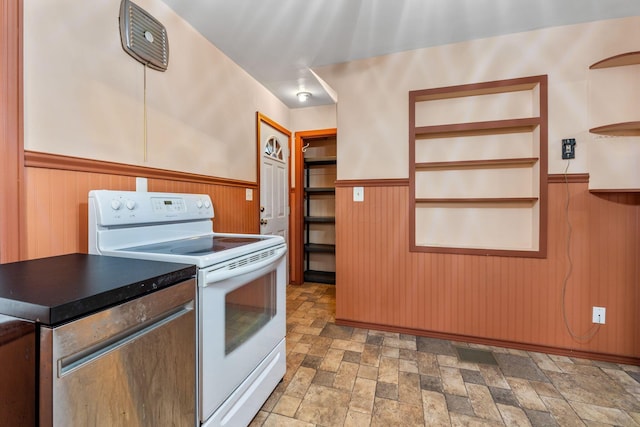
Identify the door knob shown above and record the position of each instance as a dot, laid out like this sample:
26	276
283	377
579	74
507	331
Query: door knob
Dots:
263	221
261	208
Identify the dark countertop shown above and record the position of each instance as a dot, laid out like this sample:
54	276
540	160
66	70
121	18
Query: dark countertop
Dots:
57	289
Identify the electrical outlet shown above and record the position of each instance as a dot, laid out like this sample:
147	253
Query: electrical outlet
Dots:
599	314
569	148
358	194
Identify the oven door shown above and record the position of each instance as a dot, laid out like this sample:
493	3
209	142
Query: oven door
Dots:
241	321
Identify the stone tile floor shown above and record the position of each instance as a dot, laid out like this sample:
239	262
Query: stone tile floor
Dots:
343	376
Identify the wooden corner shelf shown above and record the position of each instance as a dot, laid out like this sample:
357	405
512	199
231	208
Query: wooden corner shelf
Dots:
624	128
628	58
618	129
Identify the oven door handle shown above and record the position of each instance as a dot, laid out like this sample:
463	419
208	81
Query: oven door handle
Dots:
229	270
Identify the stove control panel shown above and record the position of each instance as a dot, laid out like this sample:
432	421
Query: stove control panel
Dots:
170	204
108	207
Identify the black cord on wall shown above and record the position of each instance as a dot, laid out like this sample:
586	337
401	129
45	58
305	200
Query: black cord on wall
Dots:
588	336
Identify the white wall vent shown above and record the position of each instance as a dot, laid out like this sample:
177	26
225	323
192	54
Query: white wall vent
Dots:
143	36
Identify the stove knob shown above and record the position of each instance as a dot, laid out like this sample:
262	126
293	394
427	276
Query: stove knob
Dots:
115	204
199	203
207	204
131	204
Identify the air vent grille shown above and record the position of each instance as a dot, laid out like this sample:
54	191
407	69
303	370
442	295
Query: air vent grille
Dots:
251	259
143	37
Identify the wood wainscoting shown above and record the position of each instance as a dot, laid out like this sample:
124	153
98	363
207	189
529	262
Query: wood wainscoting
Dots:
57	187
506	301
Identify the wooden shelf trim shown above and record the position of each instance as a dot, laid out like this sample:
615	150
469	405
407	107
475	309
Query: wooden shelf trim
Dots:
628	58
495	126
618	129
476	200
475	89
479	164
320	161
320	219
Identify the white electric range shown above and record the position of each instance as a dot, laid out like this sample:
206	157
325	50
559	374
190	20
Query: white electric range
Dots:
240	299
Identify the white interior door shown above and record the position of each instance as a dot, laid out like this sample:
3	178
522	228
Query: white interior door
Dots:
274	197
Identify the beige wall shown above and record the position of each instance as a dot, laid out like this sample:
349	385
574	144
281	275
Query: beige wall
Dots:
312	118
373	97
84	96
306	119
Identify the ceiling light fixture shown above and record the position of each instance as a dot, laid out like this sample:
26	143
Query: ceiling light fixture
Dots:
303	96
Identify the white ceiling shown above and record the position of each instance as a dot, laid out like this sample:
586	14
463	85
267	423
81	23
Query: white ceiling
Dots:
279	41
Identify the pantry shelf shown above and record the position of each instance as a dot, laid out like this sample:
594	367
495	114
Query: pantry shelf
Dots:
320	190
321	161
320	248
319	212
320	219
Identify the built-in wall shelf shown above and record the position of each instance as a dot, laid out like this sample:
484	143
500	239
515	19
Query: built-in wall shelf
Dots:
628	58
476	200
618	129
478	128
478	168
475	89
478	164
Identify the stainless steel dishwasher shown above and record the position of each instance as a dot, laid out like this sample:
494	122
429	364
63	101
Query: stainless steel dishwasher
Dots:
129	365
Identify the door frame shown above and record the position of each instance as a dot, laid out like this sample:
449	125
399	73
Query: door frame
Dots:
12	232
296	230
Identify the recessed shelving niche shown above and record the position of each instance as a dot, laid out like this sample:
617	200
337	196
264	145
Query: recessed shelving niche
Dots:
478	168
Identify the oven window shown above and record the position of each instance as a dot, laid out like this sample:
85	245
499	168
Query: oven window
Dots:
248	309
